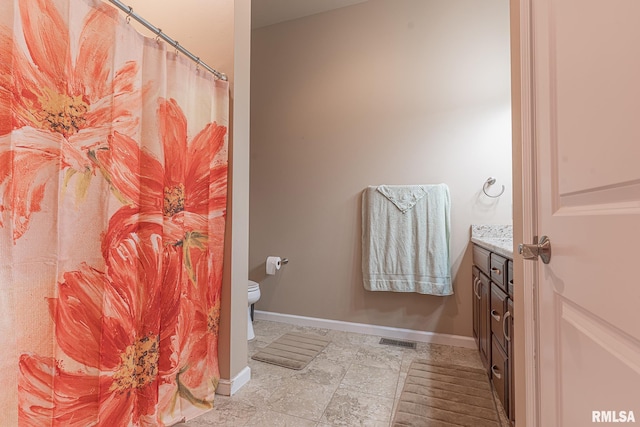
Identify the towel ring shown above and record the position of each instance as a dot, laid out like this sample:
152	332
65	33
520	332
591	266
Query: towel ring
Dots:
489	182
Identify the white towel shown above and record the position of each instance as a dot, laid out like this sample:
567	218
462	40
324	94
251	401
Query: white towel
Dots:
405	239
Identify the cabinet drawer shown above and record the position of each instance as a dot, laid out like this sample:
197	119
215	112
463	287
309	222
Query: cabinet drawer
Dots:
499	374
498	306
481	258
499	270
510	278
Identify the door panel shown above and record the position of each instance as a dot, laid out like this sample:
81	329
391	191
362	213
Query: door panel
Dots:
600	366
587	137
597	98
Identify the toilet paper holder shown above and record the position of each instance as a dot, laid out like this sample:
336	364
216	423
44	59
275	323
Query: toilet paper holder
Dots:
274	263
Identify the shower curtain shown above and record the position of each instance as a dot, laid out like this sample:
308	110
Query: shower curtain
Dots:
113	186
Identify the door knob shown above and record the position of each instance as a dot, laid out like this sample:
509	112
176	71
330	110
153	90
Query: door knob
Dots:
541	249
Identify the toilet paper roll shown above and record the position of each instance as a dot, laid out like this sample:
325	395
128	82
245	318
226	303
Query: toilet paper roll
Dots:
273	264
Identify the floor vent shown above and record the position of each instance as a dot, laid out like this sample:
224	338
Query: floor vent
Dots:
405	344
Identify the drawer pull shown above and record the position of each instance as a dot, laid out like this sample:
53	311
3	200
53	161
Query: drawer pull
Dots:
494	371
476	282
495	315
505	326
496	270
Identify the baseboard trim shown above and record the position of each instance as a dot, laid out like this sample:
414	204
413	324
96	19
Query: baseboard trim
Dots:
363	328
230	387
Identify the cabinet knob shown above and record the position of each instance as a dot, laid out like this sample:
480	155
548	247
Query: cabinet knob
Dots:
495	315
494	371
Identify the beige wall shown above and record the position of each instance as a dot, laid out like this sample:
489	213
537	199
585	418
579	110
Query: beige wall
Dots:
218	31
203	28
236	261
383	92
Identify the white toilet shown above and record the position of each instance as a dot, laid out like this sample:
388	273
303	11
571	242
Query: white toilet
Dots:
254	295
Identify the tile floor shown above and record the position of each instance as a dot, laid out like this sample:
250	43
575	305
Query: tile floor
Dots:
355	381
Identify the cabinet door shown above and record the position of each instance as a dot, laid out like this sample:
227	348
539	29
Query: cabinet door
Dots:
509	320
500	374
475	297
484	328
497	312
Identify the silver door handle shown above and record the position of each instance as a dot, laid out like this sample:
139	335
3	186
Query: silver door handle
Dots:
505	326
541	249
476	282
495	315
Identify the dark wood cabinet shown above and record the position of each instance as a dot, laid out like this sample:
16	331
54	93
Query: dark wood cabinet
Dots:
497	312
499	270
509	327
481	259
500	372
485	320
493	321
476	304
510	279
481	319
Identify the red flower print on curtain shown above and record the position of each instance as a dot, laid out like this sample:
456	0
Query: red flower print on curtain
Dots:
185	194
112	297
60	107
118	316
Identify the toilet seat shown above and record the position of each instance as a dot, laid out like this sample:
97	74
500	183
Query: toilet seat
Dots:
253	286
253	297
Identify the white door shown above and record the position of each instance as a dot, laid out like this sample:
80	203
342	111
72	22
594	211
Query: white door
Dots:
586	87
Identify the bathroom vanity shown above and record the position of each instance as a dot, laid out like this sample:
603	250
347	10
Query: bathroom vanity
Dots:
493	307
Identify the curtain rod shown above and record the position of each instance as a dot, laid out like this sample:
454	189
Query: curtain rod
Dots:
158	32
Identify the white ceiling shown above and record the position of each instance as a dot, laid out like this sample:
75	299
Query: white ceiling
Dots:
268	12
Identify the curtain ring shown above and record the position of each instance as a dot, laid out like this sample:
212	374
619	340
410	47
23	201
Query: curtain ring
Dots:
176	46
489	182
129	15
197	64
158	35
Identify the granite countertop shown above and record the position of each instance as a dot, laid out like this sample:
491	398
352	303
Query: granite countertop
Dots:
496	238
